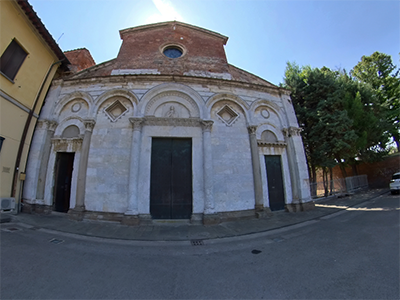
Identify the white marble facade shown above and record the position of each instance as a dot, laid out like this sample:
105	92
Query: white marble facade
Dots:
109	125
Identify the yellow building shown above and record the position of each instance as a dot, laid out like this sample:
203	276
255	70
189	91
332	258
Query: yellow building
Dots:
30	58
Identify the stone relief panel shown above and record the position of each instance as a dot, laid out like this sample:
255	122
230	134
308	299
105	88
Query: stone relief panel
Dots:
115	111
265	114
172	104
75	108
227	115
172	110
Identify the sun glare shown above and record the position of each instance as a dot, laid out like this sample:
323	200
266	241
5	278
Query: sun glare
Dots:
166	12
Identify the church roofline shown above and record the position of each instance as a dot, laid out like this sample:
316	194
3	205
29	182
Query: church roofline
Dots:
155	25
174	78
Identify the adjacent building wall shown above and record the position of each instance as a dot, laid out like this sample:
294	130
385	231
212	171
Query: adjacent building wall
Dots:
18	97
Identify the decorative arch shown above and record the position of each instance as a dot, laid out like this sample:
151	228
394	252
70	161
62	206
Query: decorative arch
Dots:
183	94
72	131
272	128
158	106
72	97
270	105
269	136
228	97
71	121
115	93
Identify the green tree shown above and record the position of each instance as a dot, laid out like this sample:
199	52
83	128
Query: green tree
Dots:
379	72
341	118
319	102
371	141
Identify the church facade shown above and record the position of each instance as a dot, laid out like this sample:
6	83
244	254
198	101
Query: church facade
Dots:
167	130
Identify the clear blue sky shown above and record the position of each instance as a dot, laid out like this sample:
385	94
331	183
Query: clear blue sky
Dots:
263	34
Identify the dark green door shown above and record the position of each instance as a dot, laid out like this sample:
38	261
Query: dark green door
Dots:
63	177
275	182
171	178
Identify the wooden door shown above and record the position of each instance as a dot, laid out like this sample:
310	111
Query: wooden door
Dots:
275	182
63	177
171	178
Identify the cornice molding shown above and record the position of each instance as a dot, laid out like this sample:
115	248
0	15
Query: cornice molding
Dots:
174	78
184	122
261	143
66	144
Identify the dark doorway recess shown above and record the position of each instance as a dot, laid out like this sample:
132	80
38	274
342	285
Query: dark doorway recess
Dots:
171	178
63	177
275	182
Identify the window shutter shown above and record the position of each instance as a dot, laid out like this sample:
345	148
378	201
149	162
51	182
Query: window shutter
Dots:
12	59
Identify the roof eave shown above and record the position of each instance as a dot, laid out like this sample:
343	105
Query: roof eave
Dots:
41	29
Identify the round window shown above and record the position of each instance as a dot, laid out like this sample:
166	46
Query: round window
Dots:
173	52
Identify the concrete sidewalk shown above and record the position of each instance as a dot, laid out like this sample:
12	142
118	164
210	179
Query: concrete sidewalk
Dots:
181	230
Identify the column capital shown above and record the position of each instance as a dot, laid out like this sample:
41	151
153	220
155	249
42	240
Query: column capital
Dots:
47	124
51	125
252	129
89	124
291	131
137	123
207	125
295	130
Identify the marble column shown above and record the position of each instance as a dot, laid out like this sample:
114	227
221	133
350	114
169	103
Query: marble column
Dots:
209	217
131	215
37	163
298	171
255	159
77	212
51	127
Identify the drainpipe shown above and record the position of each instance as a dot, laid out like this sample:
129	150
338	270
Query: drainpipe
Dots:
25	132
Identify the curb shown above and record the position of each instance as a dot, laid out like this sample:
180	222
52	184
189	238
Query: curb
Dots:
207	241
5	219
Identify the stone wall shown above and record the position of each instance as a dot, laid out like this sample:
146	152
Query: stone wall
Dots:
379	173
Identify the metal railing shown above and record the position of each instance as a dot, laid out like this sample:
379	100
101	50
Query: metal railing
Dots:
356	182
338	186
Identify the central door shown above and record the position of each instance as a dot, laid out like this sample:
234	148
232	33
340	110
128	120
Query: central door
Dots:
171	178
275	182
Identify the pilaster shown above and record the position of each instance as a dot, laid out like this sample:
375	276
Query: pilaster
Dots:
209	206
51	127
77	212
131	215
255	159
298	170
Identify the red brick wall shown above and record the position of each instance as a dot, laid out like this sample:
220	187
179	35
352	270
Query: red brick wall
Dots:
80	59
141	49
379	173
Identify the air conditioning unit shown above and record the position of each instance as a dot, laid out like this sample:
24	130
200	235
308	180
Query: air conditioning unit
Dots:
7	204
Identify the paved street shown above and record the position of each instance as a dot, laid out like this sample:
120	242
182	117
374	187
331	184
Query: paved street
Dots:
353	254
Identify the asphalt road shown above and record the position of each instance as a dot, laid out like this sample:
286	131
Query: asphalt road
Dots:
352	255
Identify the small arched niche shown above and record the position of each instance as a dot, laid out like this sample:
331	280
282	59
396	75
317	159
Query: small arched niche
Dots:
269	136
71	131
